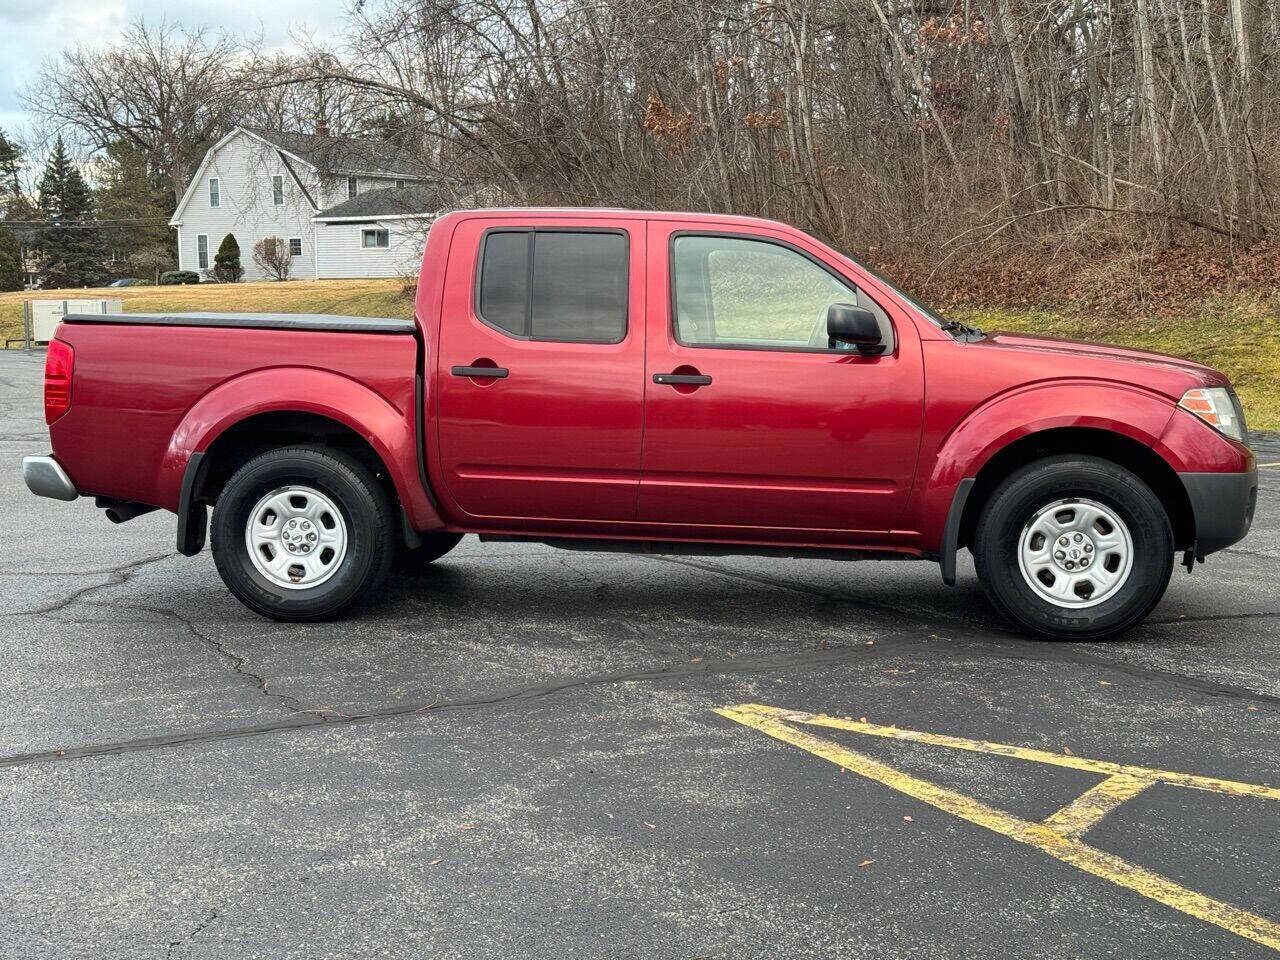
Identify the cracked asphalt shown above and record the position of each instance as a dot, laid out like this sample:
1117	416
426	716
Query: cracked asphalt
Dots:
513	753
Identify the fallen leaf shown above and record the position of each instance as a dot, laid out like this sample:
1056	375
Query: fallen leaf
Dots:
696	660
866	863
1067	751
1105	683
862	719
436	860
467	826
649	825
908	819
1252	709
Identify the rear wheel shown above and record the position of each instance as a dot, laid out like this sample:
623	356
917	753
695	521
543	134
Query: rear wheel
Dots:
302	533
1074	548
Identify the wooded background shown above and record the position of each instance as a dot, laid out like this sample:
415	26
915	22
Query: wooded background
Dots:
969	142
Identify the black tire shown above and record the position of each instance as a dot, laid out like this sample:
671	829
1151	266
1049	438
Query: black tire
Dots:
366	512
1012	506
434	546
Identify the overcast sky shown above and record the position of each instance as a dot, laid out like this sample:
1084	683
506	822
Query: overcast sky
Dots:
33	30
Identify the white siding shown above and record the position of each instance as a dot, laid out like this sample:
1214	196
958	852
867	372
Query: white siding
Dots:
333	191
244	166
341	254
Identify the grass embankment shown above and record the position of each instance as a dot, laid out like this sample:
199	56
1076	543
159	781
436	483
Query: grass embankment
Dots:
1238	334
357	298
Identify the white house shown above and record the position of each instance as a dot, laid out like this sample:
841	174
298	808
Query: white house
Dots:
346	207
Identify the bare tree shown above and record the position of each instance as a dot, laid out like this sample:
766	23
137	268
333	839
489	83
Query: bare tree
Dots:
163	91
271	256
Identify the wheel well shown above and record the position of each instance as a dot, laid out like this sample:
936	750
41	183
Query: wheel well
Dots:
1117	448
252	436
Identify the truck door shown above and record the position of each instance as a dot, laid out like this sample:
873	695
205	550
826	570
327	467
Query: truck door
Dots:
753	420
540	366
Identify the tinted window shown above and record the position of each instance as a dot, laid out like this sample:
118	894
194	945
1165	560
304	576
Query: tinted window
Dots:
504	281
579	286
578	291
744	293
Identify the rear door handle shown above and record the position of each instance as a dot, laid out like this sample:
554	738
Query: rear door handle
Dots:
676	379
497	373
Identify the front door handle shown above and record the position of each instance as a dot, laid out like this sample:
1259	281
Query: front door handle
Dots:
496	373
678	379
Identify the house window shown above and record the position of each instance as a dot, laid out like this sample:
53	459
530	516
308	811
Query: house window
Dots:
202	250
375	239
352	188
215	192
277	190
295	246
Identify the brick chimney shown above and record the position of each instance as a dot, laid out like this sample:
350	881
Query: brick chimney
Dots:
322	128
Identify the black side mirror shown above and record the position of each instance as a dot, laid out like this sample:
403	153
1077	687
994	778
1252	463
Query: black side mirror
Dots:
856	325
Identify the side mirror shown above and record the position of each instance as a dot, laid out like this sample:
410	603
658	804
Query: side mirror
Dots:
856	325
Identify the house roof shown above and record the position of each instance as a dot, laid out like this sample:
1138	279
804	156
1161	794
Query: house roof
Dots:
411	200
344	154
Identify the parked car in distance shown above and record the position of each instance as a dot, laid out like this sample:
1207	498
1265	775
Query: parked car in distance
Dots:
176	277
659	382
129	282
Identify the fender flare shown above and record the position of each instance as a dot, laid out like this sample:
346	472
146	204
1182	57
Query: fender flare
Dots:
390	431
1131	412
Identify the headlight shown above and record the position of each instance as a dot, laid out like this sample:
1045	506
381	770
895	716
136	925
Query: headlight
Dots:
1218	407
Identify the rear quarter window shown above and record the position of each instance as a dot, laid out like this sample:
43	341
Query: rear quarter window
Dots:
558	285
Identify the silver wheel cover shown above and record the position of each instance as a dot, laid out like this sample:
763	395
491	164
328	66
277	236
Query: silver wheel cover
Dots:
296	537
1075	553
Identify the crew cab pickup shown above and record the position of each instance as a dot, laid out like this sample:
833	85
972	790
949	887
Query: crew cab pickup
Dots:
660	382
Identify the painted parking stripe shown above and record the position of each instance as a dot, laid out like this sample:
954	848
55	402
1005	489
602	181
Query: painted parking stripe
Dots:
1059	834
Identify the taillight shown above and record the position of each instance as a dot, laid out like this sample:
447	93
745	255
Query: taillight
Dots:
59	364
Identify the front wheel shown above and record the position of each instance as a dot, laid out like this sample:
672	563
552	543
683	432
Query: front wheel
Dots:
302	533
1074	548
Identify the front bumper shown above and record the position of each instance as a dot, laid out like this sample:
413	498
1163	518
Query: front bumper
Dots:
46	478
1223	505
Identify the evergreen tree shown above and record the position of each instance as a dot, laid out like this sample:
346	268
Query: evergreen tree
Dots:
135	207
71	240
10	165
226	262
10	261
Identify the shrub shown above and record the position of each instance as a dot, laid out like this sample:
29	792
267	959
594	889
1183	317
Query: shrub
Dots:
173	277
271	256
226	262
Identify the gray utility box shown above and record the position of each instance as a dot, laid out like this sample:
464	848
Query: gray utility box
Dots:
43	316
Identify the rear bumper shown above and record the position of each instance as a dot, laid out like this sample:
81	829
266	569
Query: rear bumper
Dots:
1223	504
45	477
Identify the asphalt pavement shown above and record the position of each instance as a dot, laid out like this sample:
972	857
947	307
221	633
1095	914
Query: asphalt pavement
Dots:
522	752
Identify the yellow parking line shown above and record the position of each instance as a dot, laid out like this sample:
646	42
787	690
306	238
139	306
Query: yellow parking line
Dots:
1106	767
1084	811
1059	844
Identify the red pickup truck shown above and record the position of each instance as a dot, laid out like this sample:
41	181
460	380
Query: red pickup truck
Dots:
660	382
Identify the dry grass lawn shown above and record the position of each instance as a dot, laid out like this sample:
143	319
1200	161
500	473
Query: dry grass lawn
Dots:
358	298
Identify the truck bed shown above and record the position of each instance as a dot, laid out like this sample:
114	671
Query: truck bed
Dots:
258	321
149	386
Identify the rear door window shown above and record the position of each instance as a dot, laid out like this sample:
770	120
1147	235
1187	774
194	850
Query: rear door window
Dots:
561	285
